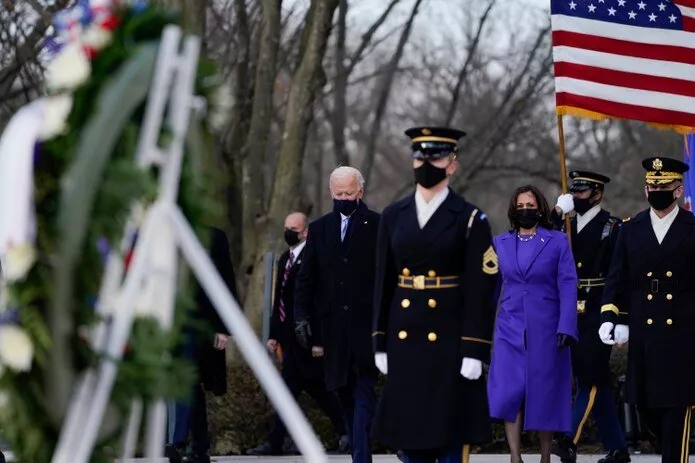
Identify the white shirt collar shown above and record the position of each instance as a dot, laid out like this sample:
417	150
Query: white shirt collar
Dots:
661	226
425	210
588	216
297	250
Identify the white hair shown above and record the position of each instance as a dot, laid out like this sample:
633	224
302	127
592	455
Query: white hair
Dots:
344	173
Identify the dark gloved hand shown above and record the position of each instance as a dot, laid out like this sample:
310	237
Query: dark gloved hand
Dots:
564	340
302	330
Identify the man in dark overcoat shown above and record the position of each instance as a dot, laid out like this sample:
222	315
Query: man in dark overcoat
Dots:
434	311
333	303
300	370
648	300
594	232
206	347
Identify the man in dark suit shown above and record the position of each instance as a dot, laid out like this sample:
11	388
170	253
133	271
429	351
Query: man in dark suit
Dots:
594	233
648	300
300	370
333	303
206	348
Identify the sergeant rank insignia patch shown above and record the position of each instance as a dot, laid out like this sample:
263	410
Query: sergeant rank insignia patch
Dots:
490	265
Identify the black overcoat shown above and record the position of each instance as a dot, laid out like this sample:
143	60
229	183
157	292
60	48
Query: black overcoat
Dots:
592	249
294	356
426	403
651	287
335	289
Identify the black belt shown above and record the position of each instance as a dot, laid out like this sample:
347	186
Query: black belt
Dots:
655	285
423	282
590	282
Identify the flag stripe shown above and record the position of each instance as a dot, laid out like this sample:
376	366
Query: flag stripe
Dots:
625	111
687	3
625	79
687	10
617	94
621	32
624	63
624	47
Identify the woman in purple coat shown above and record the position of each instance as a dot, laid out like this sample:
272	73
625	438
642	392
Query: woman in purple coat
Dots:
530	379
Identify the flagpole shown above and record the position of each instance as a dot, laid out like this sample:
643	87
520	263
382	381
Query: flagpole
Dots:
563	170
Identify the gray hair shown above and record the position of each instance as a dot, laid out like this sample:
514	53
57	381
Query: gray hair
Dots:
346	172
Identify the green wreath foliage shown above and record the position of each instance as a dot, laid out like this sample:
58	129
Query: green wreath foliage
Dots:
150	369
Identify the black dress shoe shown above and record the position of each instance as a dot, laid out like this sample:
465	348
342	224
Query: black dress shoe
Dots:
344	445
175	453
2	457
566	449
264	449
401	455
616	456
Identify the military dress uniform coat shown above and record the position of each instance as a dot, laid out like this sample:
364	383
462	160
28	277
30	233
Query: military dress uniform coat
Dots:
283	331
426	403
592	249
335	290
651	288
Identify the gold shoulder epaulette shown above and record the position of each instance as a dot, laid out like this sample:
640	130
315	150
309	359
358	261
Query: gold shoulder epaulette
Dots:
626	219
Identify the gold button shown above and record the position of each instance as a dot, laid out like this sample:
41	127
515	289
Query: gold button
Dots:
649	274
579	265
432	337
669	274
432	303
669	296
406	272
431	274
669	322
405	303
650	297
649	321
402	334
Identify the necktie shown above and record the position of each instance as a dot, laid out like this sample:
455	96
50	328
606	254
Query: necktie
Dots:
343	228
288	267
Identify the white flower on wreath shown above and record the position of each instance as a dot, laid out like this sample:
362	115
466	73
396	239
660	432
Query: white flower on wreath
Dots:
56	109
18	261
16	348
97	38
69	69
220	107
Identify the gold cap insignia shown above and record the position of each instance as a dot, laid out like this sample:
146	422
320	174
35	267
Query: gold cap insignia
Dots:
657	164
426	132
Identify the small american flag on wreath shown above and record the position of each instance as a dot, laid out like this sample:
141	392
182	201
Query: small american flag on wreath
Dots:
626	59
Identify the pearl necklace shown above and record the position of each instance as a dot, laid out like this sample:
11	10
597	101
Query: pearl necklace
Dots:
524	240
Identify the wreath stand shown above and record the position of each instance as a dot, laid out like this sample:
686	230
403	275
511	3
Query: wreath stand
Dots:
165	227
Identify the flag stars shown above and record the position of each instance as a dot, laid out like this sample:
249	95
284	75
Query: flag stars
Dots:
621	2
641	5
632	15
573	6
652	18
611	11
592	8
672	18
662	7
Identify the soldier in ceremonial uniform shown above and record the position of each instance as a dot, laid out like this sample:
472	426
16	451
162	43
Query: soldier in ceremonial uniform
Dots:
594	233
433	311
648	299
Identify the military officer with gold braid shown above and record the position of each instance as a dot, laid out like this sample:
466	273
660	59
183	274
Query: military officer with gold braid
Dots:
433	311
649	299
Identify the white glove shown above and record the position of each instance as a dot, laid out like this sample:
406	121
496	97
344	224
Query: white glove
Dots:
381	362
621	334
566	203
605	333
471	368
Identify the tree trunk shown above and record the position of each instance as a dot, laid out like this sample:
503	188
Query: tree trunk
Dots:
339	116
385	91
253	153
286	190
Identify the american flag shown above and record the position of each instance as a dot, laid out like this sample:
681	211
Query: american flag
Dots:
689	157
627	59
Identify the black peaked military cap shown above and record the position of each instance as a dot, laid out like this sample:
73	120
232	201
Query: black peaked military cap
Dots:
583	180
661	171
434	142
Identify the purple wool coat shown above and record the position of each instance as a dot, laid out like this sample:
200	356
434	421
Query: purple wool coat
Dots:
538	303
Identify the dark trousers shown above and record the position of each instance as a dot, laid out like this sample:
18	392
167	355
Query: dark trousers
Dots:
190	416
672	427
449	455
316	388
599	403
358	402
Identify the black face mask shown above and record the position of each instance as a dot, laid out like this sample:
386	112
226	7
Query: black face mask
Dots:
428	175
582	205
526	218
291	237
661	199
345	206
